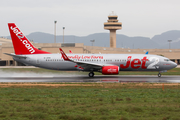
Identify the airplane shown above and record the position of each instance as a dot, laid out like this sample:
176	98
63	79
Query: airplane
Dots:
107	64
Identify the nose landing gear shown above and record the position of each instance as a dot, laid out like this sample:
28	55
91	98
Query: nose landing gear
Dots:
159	74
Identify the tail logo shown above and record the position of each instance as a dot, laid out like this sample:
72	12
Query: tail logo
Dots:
18	33
22	38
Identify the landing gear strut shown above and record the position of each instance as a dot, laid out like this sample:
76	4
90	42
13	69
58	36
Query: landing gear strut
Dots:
159	74
91	74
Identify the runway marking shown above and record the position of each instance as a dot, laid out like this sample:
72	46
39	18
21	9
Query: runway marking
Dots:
36	84
109	80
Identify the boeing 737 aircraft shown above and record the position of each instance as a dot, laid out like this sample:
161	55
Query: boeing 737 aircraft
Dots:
107	64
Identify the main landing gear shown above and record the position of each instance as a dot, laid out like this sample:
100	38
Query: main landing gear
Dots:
159	74
91	74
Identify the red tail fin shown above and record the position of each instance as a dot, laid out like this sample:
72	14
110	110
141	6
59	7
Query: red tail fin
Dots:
21	43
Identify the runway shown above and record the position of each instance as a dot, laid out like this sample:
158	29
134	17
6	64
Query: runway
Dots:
97	78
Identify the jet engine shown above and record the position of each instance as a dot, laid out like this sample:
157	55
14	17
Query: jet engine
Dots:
110	70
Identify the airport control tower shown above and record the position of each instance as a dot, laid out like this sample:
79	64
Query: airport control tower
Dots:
112	24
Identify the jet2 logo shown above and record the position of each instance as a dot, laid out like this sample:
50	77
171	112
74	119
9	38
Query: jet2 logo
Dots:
154	64
20	35
137	63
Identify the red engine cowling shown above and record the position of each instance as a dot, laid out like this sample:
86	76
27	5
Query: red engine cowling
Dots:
110	70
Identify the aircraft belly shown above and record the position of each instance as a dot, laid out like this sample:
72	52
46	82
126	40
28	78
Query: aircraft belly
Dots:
155	68
65	65
140	69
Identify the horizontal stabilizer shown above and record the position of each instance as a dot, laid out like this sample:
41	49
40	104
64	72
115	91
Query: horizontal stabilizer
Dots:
13	55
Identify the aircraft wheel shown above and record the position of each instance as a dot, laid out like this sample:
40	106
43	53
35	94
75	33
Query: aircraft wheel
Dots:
91	74
159	75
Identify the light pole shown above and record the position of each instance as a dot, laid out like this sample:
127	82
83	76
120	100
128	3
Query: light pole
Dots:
63	34
55	31
169	43
92	42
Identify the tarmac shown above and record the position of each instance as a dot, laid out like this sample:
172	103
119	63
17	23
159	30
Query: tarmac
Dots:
96	79
84	78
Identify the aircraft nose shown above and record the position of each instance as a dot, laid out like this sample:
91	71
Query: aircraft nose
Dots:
173	65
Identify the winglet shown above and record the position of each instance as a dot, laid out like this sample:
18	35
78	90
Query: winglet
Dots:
70	51
146	52
65	57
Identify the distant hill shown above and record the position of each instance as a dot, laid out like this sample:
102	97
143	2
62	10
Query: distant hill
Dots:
102	39
163	38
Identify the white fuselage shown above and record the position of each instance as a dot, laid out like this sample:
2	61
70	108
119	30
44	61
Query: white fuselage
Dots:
126	62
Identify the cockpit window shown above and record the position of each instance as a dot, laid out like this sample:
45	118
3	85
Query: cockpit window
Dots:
166	60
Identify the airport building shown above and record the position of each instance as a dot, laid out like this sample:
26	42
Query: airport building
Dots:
7	47
112	25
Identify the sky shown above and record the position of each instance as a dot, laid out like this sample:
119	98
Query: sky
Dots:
81	17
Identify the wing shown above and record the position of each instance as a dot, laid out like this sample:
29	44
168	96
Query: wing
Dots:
88	65
83	65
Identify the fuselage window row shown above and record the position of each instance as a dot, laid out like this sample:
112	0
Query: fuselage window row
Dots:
105	60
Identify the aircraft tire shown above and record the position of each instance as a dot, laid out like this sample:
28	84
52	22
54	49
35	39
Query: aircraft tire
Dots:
159	75
91	74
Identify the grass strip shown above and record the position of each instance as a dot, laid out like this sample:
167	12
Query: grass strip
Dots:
98	101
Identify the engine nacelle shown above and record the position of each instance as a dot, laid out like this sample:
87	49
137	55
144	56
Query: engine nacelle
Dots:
110	70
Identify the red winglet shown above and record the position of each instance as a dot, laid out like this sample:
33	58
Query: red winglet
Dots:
70	51
65	57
